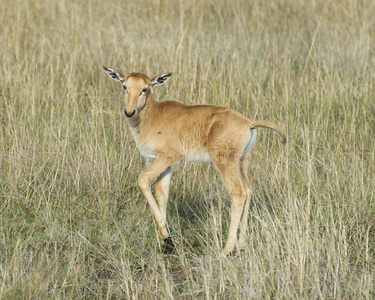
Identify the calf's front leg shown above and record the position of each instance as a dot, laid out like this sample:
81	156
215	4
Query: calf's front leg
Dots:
156	169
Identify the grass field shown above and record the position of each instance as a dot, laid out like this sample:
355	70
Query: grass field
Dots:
74	224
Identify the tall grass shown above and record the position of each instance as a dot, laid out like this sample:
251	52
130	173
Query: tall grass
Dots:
73	222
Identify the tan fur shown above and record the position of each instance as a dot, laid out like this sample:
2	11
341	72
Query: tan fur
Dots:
170	131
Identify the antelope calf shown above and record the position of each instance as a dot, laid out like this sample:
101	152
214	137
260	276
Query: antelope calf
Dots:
170	131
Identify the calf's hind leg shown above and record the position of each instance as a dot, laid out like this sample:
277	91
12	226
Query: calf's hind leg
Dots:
243	229
233	182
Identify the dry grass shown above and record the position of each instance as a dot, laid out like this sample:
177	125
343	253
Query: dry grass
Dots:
74	223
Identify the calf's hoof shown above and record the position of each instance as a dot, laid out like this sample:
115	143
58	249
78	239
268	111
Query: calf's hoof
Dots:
168	247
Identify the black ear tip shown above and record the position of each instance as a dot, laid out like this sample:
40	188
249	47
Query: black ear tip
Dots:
164	77
105	68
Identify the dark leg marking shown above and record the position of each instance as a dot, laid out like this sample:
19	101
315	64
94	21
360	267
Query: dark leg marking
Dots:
168	247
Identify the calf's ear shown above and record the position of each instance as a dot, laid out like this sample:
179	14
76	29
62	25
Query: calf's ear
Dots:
114	74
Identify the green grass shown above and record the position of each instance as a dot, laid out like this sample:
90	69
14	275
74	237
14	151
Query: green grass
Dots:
74	223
